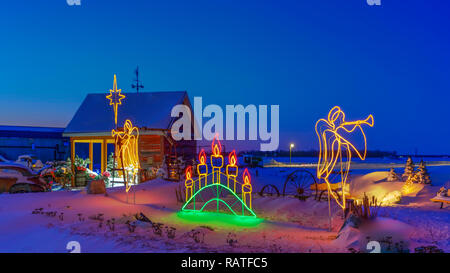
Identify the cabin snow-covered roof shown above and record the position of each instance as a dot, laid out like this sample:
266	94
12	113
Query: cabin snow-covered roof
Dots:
146	110
30	131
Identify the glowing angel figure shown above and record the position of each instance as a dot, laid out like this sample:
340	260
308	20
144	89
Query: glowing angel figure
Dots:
333	134
127	149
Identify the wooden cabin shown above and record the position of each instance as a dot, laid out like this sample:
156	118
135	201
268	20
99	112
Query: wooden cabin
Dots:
90	129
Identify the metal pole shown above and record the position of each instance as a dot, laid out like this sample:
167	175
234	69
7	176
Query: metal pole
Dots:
290	154
329	211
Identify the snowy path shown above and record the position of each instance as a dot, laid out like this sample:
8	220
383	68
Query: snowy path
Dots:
290	225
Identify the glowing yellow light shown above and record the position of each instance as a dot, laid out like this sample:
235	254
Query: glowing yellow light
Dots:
247	189
202	169
126	142
115	98
216	158
408	186
196	202
331	142
189	183
232	169
292	145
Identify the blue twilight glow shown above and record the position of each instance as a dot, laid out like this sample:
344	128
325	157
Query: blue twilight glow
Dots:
390	60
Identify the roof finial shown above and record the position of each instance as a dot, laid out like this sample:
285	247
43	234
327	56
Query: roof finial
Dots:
138	83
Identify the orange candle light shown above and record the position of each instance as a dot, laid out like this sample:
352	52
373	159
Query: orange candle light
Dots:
202	169
247	189
216	158
189	183
232	169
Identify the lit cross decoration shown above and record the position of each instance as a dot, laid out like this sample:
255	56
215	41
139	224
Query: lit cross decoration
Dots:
115	98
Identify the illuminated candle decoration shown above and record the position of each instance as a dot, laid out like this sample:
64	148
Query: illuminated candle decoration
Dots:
189	183
221	196
202	169
333	134
126	142
115	98
216	159
247	189
232	169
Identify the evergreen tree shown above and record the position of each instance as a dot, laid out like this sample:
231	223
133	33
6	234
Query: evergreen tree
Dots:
409	168
422	175
110	165
392	176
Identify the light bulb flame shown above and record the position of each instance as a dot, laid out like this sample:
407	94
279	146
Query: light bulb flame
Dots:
216	147
202	156
232	158
188	172
246	177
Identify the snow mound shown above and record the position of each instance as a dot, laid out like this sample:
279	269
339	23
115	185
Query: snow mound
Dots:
375	184
391	234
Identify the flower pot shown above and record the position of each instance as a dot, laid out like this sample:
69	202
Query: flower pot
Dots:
96	187
80	179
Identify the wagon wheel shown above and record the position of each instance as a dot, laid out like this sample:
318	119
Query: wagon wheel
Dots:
298	184
269	190
20	188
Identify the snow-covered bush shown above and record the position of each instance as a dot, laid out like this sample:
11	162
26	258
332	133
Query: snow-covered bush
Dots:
392	176
391	198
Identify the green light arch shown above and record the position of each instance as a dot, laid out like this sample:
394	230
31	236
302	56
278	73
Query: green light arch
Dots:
192	199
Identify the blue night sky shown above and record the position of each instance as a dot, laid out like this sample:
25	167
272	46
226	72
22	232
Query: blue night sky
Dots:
307	56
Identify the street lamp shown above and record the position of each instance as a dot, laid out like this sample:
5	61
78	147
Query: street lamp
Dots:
290	152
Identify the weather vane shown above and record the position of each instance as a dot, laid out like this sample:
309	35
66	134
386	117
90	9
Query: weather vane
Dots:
138	84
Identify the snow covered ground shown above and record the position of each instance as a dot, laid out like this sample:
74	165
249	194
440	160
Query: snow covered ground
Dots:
289	225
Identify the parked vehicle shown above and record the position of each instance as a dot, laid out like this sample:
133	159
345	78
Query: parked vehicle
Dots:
17	178
252	161
3	159
30	161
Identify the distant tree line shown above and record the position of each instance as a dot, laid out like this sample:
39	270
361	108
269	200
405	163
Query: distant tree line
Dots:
313	153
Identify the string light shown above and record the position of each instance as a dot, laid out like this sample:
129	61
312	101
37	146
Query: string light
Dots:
127	142
232	169
247	188
331	142
202	169
189	183
115	98
245	198
216	158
